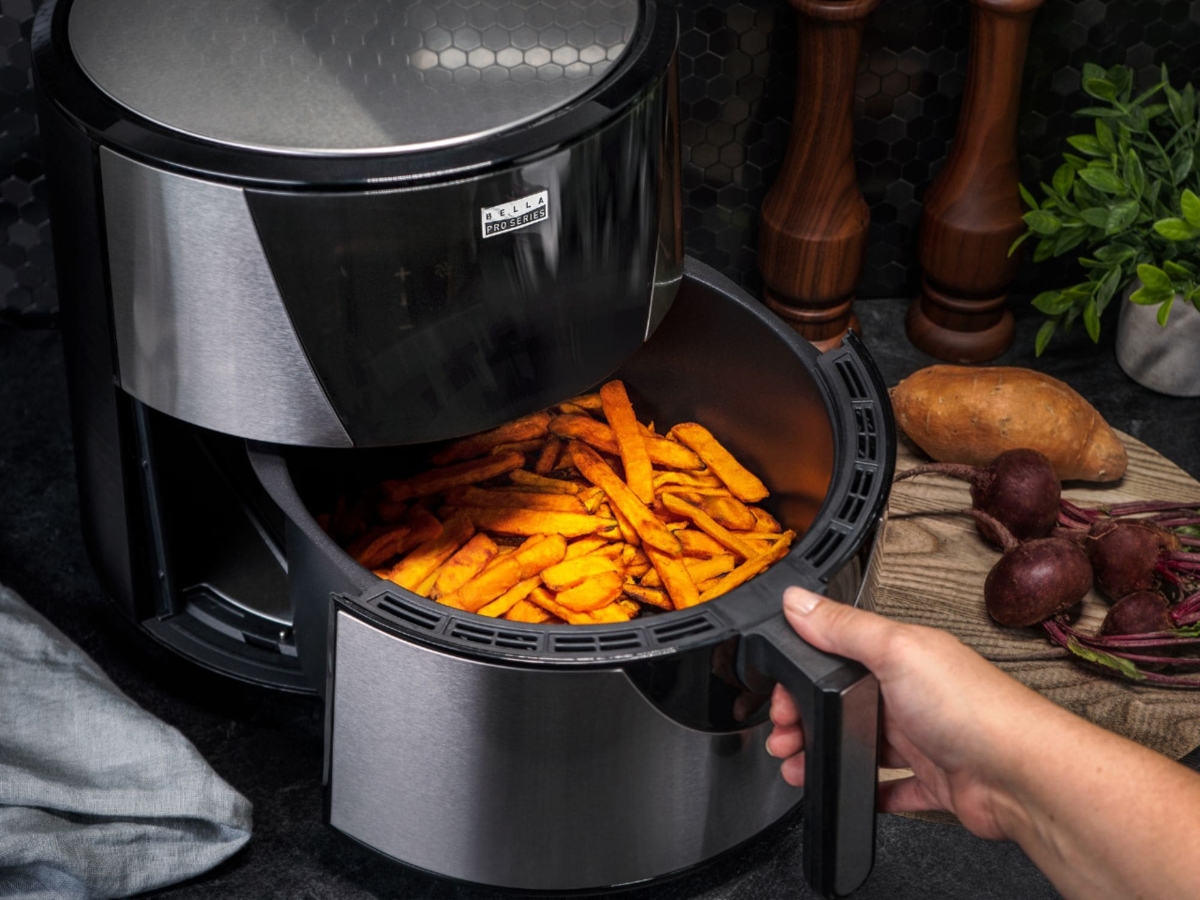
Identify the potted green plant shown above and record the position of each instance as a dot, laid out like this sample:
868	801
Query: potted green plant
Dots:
1129	195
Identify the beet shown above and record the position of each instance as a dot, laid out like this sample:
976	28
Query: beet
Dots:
1019	490
1125	555
1142	612
1035	580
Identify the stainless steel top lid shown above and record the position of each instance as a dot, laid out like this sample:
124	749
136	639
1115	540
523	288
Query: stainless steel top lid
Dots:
347	76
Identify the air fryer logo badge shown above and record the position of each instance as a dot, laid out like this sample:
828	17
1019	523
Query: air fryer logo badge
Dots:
515	214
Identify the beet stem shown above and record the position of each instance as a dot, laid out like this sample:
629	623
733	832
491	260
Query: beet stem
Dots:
1007	541
951	470
1090	516
1136	507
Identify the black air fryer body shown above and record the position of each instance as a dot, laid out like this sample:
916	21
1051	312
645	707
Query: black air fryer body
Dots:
298	241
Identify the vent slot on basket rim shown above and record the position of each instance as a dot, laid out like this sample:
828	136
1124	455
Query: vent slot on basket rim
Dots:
409	613
669	632
852	379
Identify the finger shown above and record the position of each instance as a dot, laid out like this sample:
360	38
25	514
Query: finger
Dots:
890	757
783	707
836	627
904	795
792	770
785	741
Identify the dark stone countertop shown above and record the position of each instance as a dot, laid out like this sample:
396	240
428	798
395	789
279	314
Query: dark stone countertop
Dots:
268	745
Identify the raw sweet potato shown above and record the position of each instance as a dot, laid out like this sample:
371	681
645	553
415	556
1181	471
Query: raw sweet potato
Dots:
971	415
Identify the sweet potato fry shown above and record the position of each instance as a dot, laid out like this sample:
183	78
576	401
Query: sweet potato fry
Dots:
628	532
376	547
590	402
503	573
630	607
530	522
631	444
705	523
529	447
730	512
390	510
661	451
638	570
592	497
568	573
523	429
543	482
747	570
524	611
594	593
437	480
685	479
425	558
648	528
614	612
737	478
584	546
509	598
465	565
500	574
652	596
425	588
546	599
699	569
697	543
533	500
764	521
548	457
570	409
675	578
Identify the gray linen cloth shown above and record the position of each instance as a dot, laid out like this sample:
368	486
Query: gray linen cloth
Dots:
97	797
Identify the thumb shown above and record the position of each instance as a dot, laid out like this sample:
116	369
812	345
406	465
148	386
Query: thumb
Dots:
836	627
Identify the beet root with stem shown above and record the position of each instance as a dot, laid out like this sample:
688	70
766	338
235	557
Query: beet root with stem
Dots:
1142	612
1019	490
1125	555
1036	580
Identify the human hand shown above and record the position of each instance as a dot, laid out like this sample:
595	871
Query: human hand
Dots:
946	712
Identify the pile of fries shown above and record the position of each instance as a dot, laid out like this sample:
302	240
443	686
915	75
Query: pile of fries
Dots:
577	514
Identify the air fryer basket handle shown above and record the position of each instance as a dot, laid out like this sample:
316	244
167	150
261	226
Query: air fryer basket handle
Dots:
839	708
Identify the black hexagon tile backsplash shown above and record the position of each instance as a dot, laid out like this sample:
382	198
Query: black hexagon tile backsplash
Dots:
737	64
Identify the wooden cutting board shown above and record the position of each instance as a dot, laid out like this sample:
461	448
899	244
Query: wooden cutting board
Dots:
933	568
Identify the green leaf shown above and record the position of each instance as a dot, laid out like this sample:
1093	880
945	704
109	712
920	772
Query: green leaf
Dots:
1135	175
1069	238
1108	287
1146	297
1121	216
1042	222
1091	70
1115	253
1075	162
1122	78
1043	336
1154	279
1091	321
1176	230
1100	112
1155	110
1124	666
1178	271
1182	164
1102	180
1175	101
1104	137
1018	242
1029	199
1096	216
1100	88
1051	302
1086	144
1044	250
1064	177
1165	310
1190	204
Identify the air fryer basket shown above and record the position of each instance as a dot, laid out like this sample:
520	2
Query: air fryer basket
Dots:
817	428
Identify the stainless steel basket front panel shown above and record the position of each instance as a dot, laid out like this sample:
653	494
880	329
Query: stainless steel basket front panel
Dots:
360	76
528	778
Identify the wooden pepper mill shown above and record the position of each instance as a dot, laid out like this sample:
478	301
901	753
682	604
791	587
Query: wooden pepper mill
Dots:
814	220
973	208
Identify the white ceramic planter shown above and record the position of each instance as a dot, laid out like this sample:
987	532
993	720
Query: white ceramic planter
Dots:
1163	358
